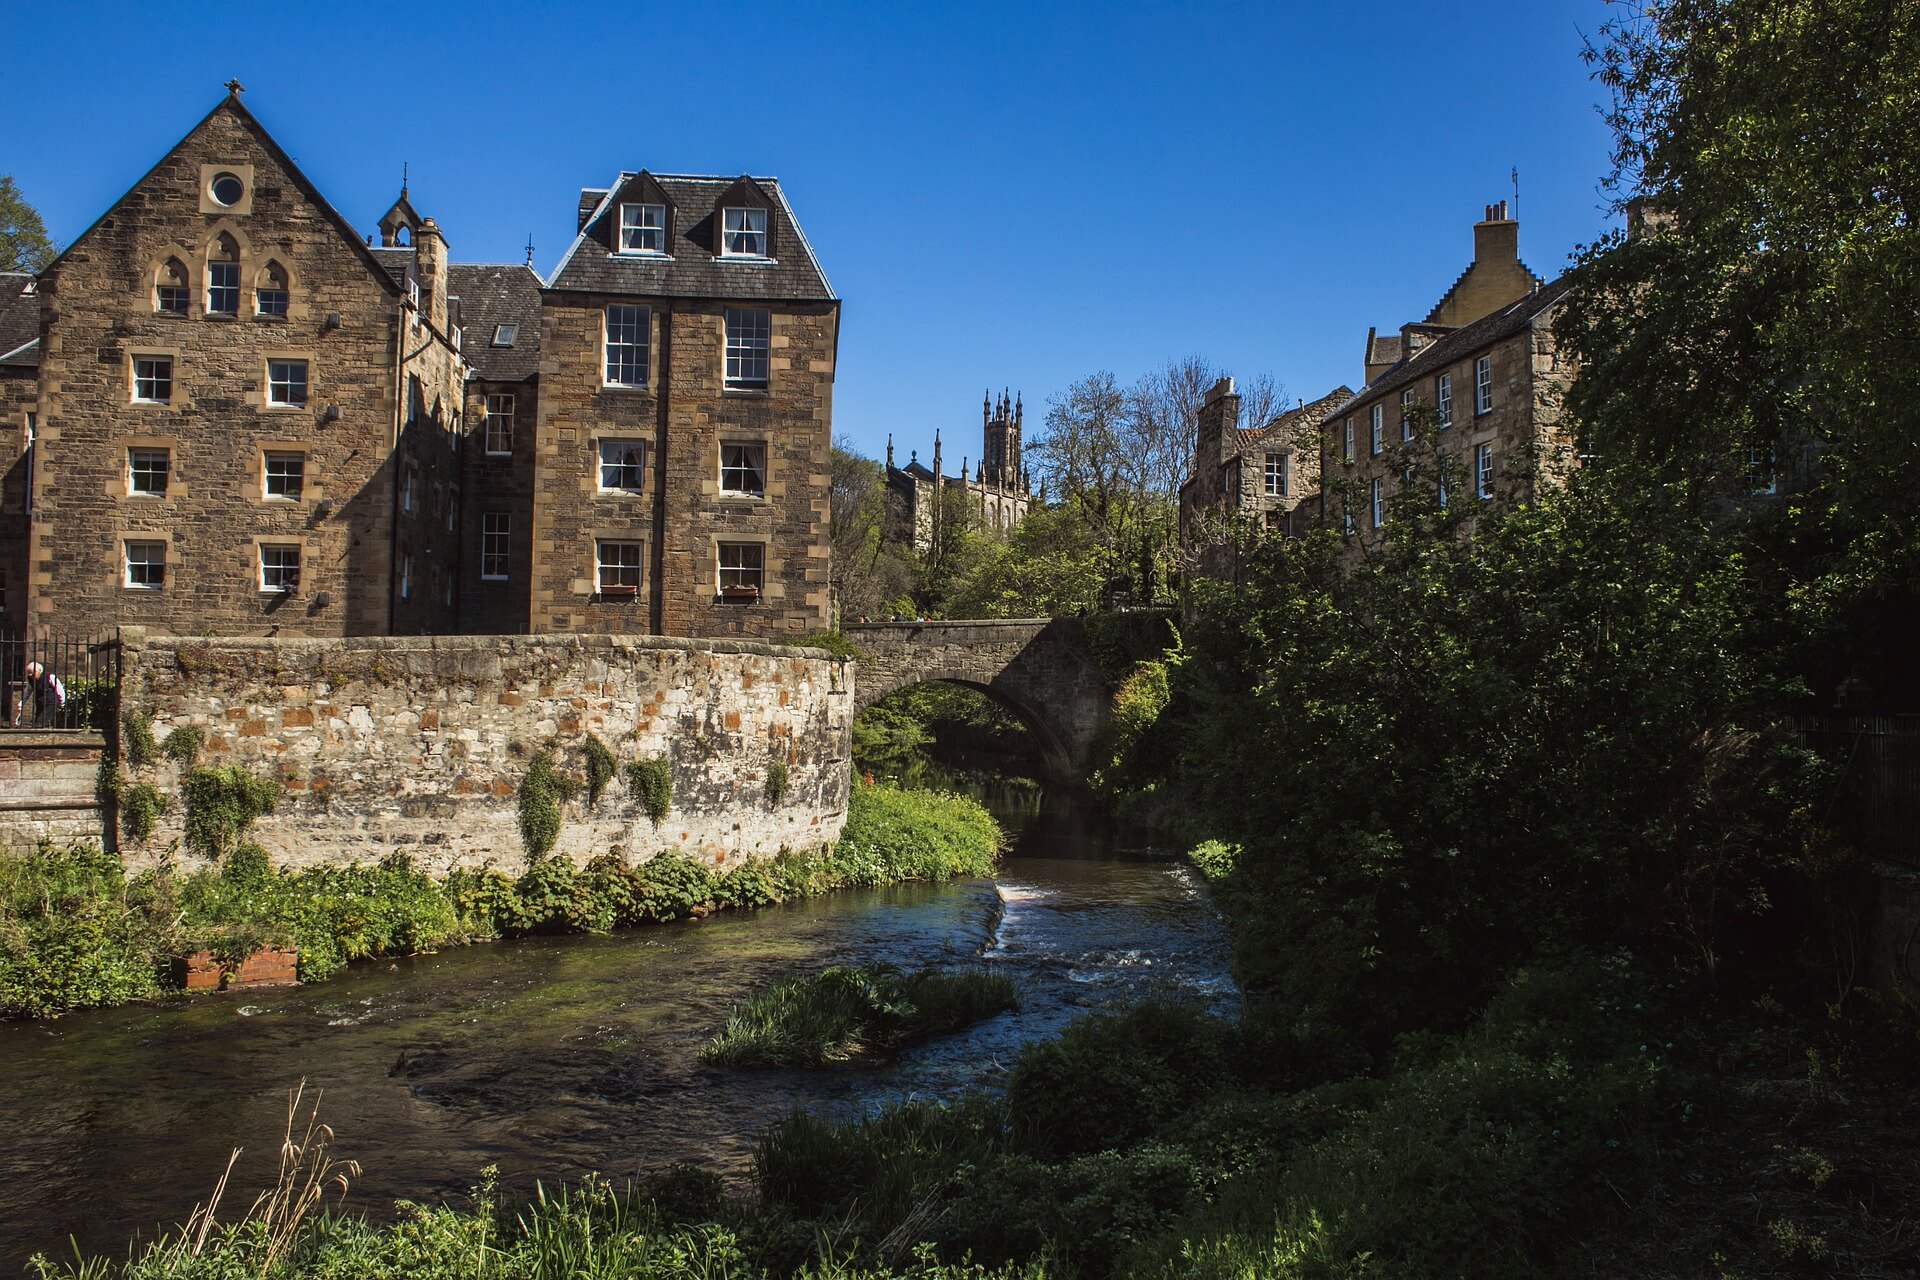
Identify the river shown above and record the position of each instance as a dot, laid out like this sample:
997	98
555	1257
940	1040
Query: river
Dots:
550	1057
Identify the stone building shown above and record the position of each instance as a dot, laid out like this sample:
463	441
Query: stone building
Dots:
223	410
685	419
995	493
241	408
1465	404
1259	474
19	411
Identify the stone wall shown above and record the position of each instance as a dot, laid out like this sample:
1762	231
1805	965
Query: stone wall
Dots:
48	787
418	745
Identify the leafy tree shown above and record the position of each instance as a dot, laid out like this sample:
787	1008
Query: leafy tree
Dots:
1763	333
23	237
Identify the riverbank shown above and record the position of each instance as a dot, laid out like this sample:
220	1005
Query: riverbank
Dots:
76	931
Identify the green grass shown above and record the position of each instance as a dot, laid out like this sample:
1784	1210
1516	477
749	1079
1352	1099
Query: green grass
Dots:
847	1013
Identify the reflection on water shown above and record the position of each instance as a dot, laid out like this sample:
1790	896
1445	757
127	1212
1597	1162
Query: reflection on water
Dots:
554	1056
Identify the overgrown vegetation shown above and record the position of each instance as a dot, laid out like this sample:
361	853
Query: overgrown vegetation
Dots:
183	745
222	802
601	766
76	931
543	797
140	805
650	782
777	780
136	735
846	1013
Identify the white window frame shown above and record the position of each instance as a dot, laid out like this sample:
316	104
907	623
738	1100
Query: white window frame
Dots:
496	545
453	507
159	377
745	233
501	407
505	335
409	488
268	458
274	567
742	471
1482	385
758	570
1406	416
1483	471
166	470
1376	430
1443	401
271	300
229	291
749	343
624	549
284	391
620	464
406	575
1377	500
165	292
640	227
1274	475
633	324
1347	451
147	563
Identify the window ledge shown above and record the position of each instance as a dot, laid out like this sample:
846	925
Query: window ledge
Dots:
743	499
623	386
744	390
655	255
750	258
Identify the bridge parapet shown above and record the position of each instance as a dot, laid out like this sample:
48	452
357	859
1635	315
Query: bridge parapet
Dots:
1042	669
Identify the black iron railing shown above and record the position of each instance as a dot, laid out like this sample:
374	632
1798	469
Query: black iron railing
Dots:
58	682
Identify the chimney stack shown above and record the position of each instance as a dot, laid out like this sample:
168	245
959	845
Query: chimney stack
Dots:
430	264
1496	238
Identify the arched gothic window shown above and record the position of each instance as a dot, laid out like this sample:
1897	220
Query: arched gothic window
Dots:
223	277
170	288
270	292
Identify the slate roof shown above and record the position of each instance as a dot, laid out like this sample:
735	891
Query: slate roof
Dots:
690	268
1384	349
1314	412
491	295
394	261
1462	342
19	321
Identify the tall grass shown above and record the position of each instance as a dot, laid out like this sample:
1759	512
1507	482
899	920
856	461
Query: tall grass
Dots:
845	1013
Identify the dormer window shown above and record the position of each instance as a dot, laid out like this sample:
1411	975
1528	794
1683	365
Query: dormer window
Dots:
743	233
504	335
643	228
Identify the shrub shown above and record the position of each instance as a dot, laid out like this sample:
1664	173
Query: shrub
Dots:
601	767
183	745
853	1012
74	933
554	896
650	782
136	732
915	835
672	885
485	903
751	883
140	803
222	802
542	794
1215	859
1126	1074
776	782
834	642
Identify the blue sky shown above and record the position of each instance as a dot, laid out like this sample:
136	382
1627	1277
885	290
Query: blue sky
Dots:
1003	195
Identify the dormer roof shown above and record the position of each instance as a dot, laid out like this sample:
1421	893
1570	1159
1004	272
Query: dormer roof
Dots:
692	267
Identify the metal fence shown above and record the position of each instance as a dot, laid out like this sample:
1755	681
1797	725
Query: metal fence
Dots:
1879	760
58	682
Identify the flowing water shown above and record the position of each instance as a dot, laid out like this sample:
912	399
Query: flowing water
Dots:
550	1057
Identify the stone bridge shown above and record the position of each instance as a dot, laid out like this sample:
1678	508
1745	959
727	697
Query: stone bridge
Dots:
1041	669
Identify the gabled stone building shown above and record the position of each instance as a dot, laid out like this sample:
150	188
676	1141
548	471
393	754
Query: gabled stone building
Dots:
224	411
240	408
1466	404
687	348
1261	473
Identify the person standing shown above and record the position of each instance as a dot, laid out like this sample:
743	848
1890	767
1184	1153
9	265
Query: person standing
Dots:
46	694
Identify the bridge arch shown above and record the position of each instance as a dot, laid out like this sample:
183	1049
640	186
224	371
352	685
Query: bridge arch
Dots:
1040	669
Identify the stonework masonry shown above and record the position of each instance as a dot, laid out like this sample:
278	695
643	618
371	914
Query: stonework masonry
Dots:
418	745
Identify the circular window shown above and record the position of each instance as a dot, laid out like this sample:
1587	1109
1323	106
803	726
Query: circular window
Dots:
227	189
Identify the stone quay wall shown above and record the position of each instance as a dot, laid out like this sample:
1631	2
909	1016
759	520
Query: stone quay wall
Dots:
418	745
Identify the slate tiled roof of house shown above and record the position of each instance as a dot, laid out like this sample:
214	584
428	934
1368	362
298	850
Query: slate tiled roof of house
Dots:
1489	329
19	321
1312	413
490	296
1384	349
690	268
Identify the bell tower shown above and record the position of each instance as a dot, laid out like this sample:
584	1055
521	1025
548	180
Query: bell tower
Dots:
1000	425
